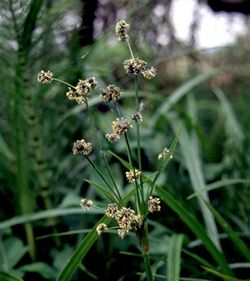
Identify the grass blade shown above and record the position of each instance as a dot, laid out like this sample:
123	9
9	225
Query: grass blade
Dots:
178	94
191	154
218	184
80	252
4	276
239	244
174	257
195	227
222	276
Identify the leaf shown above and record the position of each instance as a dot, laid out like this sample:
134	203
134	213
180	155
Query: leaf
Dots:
4	276
44	215
40	267
80	252
5	150
178	94
103	190
239	244
218	184
15	250
222	276
190	151
123	162
174	257
195	227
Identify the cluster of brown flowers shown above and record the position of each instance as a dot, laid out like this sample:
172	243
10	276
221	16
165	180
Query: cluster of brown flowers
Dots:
82	147
86	204
45	77
119	127
112	93
82	89
133	175
121	30
154	204
162	155
125	218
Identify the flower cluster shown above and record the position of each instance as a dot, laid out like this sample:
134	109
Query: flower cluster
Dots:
154	204
162	155
137	118
119	126
112	93
45	77
82	147
101	228
134	66
81	91
86	204
133	175
121	30
125	218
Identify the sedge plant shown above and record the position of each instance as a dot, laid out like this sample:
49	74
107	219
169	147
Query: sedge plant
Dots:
129	212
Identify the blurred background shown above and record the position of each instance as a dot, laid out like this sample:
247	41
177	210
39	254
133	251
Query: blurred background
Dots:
201	51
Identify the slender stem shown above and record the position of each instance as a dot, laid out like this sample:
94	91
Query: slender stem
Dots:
130	49
102	152
61	81
101	176
147	265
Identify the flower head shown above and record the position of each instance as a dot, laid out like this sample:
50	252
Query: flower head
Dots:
121	125
137	118
86	204
101	228
125	217
121	29
134	66
82	147
111	210
133	175
154	204
83	88
111	93
112	137
162	155
45	77
149	73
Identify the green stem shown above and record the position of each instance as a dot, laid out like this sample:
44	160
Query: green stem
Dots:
142	236
63	82
102	152
102	177
129	47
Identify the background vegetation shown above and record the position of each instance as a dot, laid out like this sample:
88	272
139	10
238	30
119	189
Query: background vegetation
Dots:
203	230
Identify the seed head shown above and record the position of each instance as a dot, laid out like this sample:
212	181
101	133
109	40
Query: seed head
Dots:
125	217
154	204
149	73
137	118
112	137
163	153
82	147
134	66
86	204
112	210
121	29
83	88
45	77
121	125
101	228
111	93
133	175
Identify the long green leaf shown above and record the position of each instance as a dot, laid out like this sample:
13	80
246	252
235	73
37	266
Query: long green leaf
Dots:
195	227
222	276
43	215
218	184
5	150
80	252
4	276
174	257
103	190
190	151
242	247
178	94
